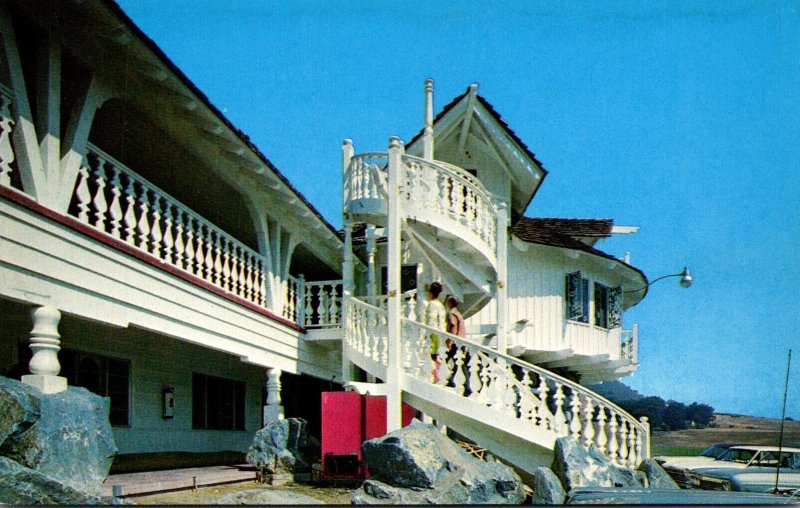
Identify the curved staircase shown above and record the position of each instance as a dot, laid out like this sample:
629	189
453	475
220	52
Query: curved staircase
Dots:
515	409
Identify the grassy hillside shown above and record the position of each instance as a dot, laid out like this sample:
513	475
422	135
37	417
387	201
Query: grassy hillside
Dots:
730	429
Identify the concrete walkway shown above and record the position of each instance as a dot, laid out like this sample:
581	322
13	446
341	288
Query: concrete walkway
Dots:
174	479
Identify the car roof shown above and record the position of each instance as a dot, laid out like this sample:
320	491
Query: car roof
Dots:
763	448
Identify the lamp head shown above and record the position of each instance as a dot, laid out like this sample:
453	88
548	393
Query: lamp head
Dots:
686	278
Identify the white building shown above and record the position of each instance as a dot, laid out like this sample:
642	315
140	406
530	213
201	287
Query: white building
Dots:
179	271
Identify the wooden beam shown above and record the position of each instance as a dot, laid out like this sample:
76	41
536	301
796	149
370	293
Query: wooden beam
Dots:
472	98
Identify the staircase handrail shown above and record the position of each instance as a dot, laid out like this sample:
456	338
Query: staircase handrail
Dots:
529	366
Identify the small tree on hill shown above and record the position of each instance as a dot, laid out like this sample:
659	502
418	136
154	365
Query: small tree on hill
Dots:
701	414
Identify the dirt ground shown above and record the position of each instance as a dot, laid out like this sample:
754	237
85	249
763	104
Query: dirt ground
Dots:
209	495
732	429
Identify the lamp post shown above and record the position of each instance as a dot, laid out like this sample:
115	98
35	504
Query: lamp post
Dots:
685	282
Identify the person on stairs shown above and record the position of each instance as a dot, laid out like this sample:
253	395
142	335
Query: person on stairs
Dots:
455	326
435	317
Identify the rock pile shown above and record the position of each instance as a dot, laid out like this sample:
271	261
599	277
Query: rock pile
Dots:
54	449
420	465
575	466
278	449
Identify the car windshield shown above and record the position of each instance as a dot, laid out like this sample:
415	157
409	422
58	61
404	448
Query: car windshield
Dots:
737	455
714	451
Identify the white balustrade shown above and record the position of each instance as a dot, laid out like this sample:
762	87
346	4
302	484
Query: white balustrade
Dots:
322	304
432	191
503	383
115	200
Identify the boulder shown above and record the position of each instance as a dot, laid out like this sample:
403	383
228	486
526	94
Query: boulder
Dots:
65	436
277	448
420	465
261	497
657	478
547	488
576	466
20	485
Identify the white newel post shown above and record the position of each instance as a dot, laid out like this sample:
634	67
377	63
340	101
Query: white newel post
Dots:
502	277
371	260
273	411
45	343
394	353
300	299
347	257
427	137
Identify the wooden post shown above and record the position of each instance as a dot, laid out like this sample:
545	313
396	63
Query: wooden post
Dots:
393	371
427	138
347	256
502	276
371	240
45	343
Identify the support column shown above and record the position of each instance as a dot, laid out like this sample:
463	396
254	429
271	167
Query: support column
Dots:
502	277
347	258
45	343
427	137
273	411
395	355
371	288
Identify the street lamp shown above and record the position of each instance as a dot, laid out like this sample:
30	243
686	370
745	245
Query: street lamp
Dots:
685	282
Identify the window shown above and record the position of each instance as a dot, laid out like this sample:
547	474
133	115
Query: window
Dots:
607	306
217	403
577	298
107	377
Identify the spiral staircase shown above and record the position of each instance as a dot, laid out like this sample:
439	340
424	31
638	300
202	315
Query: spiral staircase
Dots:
515	409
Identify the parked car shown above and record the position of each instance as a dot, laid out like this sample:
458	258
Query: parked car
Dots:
751	469
676	465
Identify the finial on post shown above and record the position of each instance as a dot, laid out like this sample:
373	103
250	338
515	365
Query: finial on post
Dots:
395	143
427	140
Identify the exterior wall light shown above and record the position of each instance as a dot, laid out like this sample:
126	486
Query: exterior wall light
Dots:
685	282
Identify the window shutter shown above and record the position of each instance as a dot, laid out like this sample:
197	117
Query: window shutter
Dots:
615	307
577	297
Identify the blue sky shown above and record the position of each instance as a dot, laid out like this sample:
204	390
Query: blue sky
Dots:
679	117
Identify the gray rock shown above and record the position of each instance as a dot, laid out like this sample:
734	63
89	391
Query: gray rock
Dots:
277	448
24	486
420	465
547	488
577	466
266	497
65	436
657	478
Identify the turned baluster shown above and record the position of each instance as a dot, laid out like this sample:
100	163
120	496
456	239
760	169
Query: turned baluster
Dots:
82	194
208	261
169	240
180	246
575	416
559	418
143	226
115	209
542	408
588	423
155	230
217	261
526	403
602	438
458	376
309	313
623	443
474	374
227	268
632	459
510	393
99	202
199	254
262	283
335	304
613	444
189	251
247	289
384	324
129	219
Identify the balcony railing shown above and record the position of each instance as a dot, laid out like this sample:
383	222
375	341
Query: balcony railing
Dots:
6	126
433	192
629	345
